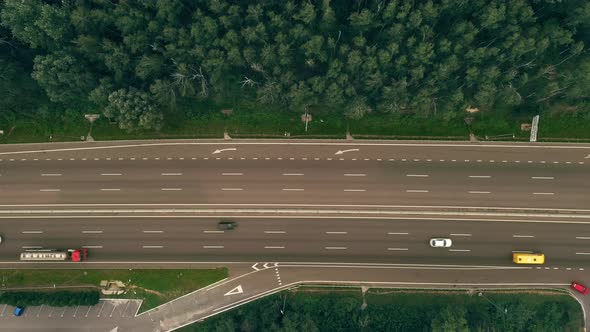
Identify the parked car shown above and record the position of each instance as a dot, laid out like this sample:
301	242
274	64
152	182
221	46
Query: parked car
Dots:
18	311
579	288
441	243
227	225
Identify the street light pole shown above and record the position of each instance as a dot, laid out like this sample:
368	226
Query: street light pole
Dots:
480	294
284	302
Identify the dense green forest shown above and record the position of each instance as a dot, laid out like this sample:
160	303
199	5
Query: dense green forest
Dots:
135	61
388	310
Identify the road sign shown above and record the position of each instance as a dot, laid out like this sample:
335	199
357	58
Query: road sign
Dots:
237	290
534	128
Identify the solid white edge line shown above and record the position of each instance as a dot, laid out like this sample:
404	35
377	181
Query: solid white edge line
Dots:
303	205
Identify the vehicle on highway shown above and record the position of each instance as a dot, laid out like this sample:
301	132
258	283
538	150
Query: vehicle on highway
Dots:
528	258
579	288
440	243
227	225
18	311
74	255
0	239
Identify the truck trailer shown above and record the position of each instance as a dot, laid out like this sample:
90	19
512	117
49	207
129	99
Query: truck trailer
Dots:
44	255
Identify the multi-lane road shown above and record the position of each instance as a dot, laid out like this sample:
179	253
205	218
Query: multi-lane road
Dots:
310	202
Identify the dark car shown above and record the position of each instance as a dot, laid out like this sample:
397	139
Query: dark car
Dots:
579	288
18	311
227	225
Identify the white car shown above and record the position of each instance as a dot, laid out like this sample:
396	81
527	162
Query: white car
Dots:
441	243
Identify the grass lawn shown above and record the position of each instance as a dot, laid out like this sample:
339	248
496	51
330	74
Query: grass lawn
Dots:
154	286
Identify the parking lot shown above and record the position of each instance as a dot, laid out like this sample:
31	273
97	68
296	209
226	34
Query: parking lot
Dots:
103	316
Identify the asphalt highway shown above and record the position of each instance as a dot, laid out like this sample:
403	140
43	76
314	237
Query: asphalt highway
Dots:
300	240
295	181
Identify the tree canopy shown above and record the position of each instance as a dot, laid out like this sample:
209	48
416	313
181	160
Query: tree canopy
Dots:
353	57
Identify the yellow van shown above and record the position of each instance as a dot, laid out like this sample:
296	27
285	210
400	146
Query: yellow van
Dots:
527	258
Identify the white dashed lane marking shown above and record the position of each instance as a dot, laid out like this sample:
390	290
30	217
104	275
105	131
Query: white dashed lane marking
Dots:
353	190
542	177
416	191
397	249
523	236
480	176
354	174
51	174
171	174
49	190
232	174
111	174
418	175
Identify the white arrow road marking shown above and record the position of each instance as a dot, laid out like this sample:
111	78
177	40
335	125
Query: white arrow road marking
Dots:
344	151
222	150
587	157
237	290
254	267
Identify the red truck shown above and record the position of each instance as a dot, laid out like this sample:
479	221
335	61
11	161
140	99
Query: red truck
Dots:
74	255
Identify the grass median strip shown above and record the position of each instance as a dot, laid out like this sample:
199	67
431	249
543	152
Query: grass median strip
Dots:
153	286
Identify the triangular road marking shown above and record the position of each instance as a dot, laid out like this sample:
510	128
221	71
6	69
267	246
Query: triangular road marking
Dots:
587	157
237	290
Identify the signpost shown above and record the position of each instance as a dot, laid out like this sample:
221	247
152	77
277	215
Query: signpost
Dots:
534	128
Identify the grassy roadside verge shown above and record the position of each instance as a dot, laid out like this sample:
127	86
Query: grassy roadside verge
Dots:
195	118
153	286
337	309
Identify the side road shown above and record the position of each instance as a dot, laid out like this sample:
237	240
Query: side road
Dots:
255	280
269	278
